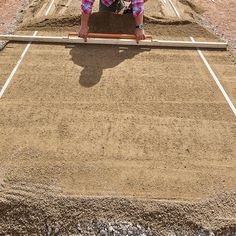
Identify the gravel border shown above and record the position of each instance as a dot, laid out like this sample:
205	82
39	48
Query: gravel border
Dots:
16	20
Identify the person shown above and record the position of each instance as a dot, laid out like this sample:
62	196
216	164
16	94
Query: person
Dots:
116	6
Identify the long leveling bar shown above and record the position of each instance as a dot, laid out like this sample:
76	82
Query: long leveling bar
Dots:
114	39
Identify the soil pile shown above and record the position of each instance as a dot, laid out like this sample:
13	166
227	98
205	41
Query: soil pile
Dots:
112	23
48	213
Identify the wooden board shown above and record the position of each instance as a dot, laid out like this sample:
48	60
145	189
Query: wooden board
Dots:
127	42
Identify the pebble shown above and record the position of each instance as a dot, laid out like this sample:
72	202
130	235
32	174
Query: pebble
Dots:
103	232
79	228
49	231
110	229
57	229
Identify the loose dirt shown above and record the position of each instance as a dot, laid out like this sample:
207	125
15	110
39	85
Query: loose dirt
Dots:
219	16
93	134
11	15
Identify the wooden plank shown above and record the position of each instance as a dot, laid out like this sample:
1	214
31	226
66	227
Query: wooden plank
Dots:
126	42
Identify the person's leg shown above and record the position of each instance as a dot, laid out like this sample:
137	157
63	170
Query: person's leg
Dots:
117	7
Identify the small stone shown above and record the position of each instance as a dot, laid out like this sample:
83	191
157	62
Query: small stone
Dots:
103	232
49	231
130	232
170	233
79	228
57	229
139	227
110	229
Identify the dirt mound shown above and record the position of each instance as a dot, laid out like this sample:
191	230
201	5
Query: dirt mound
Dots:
166	21
112	23
60	20
49	213
51	23
193	7
98	22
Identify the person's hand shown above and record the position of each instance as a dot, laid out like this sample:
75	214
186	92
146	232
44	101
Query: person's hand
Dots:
83	32
140	34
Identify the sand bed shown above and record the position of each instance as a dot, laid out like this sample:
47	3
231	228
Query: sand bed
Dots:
107	133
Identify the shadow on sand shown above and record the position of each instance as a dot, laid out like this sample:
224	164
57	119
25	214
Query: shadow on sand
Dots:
96	58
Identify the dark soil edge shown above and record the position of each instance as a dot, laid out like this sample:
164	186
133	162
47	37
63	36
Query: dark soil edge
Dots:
34	216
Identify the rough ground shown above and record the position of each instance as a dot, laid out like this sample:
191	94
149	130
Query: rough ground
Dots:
219	15
11	15
97	139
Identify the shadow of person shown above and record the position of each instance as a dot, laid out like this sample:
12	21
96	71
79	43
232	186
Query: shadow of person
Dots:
96	58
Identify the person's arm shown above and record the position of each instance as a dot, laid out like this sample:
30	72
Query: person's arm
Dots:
139	32
138	10
84	28
86	8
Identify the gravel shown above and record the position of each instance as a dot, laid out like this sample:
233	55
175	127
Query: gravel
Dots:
117	228
103	228
11	13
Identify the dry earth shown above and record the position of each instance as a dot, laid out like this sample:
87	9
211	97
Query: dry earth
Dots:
121	135
11	15
220	15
